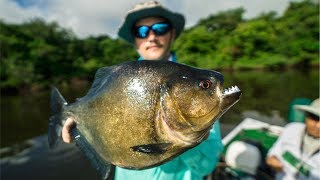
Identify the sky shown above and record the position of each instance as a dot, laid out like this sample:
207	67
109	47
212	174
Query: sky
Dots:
103	17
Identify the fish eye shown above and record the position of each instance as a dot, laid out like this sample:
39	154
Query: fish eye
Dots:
205	84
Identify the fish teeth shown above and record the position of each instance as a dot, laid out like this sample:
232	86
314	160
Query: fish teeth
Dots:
231	90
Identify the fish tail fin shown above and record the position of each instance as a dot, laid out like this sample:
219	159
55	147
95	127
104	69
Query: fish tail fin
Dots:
57	103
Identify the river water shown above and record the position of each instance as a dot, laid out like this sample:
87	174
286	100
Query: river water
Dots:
24	119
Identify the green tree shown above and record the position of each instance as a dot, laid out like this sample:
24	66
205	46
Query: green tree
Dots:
40	53
298	33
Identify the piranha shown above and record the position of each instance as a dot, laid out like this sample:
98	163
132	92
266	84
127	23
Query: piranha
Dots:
141	114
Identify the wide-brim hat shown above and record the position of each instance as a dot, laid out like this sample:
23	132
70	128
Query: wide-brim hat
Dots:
149	9
313	108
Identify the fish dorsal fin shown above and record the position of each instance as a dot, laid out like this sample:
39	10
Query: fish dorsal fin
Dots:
102	76
57	101
158	148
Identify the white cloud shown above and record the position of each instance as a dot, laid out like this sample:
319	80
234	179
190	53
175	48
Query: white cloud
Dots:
10	12
98	17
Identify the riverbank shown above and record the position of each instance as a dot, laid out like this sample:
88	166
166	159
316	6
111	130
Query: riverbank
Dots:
85	81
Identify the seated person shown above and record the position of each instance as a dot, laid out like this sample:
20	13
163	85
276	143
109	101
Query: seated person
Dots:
295	155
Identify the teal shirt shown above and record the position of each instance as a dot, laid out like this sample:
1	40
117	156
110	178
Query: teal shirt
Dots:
191	165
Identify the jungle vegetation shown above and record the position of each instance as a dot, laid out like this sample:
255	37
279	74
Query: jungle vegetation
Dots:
37	54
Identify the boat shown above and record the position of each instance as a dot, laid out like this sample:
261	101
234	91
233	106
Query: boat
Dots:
246	147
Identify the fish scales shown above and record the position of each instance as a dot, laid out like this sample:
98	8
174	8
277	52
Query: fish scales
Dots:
141	114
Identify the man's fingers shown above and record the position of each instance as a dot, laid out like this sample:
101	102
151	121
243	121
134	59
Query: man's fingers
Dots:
66	136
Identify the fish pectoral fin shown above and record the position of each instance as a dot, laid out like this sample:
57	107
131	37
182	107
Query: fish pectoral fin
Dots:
158	148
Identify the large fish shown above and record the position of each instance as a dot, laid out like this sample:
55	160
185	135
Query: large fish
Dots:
141	114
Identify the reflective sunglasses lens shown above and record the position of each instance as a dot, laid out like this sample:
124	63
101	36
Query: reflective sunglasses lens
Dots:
142	31
160	28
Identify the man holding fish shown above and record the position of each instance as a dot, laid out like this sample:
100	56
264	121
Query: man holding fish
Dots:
152	29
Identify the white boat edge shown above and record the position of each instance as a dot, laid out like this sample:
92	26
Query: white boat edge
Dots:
250	123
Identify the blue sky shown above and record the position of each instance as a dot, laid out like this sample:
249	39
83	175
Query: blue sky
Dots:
25	4
97	17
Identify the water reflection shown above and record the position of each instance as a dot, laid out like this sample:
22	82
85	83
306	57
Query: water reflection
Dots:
37	161
24	117
266	96
266	92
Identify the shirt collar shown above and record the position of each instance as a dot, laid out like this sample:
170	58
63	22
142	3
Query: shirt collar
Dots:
172	57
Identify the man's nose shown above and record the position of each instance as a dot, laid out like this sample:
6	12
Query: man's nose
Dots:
151	36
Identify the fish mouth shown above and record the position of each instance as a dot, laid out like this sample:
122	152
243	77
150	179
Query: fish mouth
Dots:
231	91
229	97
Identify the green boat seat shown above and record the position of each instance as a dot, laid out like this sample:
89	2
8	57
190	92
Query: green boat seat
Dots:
295	115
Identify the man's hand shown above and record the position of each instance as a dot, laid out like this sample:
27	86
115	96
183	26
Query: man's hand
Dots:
274	163
66	136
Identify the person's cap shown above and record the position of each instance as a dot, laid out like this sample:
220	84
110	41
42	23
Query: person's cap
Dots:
313	108
149	9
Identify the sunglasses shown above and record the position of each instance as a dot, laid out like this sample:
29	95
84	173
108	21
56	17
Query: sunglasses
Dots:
159	29
312	116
